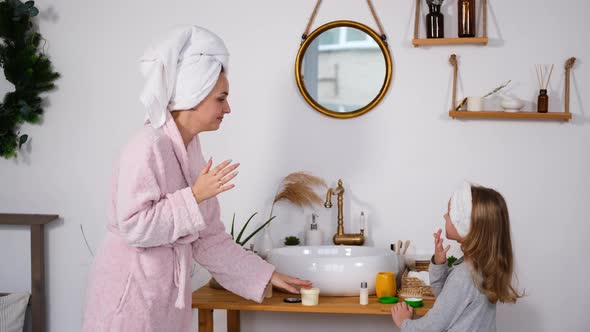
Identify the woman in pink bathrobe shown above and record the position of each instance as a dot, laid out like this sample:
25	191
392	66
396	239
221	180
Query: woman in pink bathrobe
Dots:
164	209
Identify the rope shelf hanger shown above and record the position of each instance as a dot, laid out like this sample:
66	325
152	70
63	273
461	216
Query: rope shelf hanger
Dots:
371	8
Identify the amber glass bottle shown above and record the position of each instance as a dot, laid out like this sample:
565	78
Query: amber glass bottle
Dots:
543	101
466	18
435	22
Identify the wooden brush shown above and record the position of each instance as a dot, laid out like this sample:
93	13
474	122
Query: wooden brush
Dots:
409	292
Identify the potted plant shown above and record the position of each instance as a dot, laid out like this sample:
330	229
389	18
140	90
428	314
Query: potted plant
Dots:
238	239
292	241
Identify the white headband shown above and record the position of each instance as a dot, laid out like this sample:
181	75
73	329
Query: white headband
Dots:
461	209
180	70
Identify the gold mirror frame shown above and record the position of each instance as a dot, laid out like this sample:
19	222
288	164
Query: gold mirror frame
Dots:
384	50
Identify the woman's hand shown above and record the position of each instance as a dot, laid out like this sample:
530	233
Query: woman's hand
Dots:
440	253
212	182
400	312
287	283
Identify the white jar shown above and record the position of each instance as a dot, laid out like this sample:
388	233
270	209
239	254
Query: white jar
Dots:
475	103
310	296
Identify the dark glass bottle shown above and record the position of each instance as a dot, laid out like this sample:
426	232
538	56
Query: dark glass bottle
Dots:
435	22
466	17
543	101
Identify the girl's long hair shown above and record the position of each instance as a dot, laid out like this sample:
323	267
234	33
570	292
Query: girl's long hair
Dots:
488	247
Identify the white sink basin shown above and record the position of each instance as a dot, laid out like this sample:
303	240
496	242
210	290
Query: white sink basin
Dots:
336	270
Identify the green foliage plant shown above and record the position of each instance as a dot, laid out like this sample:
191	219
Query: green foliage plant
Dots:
27	68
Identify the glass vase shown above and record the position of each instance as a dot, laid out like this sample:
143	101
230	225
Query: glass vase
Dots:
265	244
466	18
435	22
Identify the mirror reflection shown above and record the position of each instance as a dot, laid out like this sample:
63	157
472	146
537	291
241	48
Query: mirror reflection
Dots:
344	69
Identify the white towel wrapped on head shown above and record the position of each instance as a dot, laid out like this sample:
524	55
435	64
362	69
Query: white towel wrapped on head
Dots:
461	209
180	70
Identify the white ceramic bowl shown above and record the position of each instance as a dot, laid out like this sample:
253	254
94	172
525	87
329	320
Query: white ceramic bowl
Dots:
336	270
511	104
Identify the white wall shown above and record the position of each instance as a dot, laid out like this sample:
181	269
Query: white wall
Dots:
399	162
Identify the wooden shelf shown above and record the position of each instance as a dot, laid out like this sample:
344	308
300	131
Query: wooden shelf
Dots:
562	116
480	40
26	219
209	298
449	41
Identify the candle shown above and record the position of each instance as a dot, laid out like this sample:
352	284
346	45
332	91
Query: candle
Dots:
310	296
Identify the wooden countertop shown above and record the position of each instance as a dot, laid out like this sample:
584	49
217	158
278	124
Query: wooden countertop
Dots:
209	298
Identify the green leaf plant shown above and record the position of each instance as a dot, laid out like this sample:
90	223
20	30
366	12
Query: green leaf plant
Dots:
238	239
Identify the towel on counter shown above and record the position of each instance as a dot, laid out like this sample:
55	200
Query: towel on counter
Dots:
422	275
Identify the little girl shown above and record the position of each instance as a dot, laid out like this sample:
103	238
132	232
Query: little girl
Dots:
467	293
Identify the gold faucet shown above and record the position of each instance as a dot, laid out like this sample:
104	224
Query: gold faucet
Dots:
340	237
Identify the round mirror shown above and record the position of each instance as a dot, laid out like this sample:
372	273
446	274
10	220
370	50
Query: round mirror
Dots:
343	69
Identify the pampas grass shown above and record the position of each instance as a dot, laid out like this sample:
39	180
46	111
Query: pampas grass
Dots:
298	189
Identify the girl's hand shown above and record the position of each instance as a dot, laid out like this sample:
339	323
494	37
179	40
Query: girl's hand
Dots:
400	312
288	283
440	253
212	182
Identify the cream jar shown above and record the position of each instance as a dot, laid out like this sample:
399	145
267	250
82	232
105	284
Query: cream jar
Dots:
310	296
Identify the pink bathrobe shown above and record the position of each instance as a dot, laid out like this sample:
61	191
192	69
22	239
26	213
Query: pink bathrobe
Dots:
140	279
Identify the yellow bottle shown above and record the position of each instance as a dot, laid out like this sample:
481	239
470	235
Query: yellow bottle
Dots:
385	284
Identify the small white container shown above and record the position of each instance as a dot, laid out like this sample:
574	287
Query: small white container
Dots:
310	296
364	295
474	103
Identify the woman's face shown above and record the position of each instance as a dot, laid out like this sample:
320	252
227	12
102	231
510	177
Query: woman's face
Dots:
208	115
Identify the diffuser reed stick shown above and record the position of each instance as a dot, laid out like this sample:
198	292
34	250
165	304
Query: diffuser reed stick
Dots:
538	76
549	77
542	76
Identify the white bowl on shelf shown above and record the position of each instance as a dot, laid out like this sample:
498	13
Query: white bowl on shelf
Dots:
511	104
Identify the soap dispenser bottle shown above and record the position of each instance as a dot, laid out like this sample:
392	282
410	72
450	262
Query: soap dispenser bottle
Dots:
313	236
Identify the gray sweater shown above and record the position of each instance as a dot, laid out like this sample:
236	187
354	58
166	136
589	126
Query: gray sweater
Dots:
459	305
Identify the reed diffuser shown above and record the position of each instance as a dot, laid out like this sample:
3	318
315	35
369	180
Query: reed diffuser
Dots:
543	79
